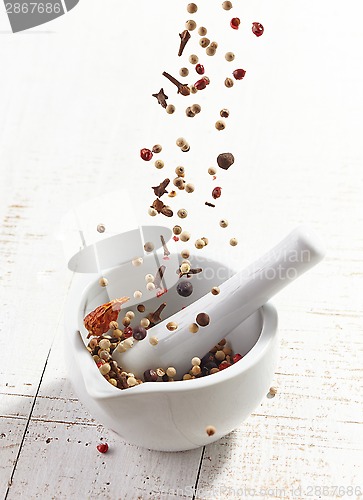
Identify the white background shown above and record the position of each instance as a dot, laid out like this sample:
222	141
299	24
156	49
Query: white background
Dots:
75	109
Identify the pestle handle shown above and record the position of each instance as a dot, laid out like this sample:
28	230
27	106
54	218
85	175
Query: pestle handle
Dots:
239	297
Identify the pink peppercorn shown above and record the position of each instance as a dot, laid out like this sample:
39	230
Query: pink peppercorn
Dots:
224	365
102	448
128	332
199	69
146	154
200	84
216	193
257	29
239	74
235	22
236	357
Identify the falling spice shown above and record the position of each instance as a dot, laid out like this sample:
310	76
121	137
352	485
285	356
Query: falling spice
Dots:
184	39
165	248
161	97
183	89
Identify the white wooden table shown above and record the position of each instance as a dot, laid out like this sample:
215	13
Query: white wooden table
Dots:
75	107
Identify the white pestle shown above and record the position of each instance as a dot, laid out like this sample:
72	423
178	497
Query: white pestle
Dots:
239	297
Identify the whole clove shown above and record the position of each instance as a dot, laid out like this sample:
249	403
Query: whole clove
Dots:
159	277
155	317
209	204
183	89
161	208
166	250
161	97
188	274
160	189
184	39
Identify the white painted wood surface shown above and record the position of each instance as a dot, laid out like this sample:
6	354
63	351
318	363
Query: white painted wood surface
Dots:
67	132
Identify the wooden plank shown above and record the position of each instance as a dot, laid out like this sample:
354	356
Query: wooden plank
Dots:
11	434
68	465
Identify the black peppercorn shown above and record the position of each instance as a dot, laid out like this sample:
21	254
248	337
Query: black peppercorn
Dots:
184	288
139	333
150	376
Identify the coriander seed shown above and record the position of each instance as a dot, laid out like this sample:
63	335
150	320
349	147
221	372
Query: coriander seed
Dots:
202	31
150	287
189	112
206	241
228	82
180	171
113	325
223	223
196	108
117	333
185	148
159	164
137	294
215	290
152	212
204	42
185	236
149	247
104	344
137	262
210	430
149	278
210	51
193	89
227	5
103	282
131	381
196	370
220	125
224	113
179	182
153	340
104	369
144	323
189	188
157	148
229	56
190	25
273	391
199	244
180	142
219	355
196	361
172	326
177	230
185	254
101	228
214	45
126	321
212	171
233	242
130	314
193	59
185	268
182	213
141	308
192	8
171	371
184	72
193	328
128	343
170	109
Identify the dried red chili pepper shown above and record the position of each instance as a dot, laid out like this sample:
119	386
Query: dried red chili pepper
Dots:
98	321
